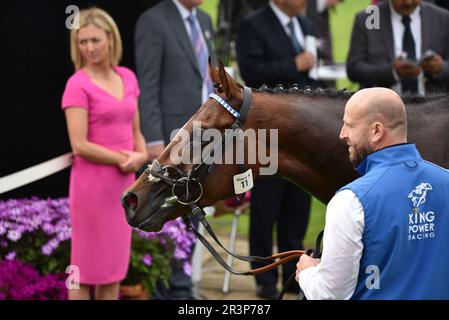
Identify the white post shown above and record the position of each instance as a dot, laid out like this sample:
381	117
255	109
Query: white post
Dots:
231	248
197	258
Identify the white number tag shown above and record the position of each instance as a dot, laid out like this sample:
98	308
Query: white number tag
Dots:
243	182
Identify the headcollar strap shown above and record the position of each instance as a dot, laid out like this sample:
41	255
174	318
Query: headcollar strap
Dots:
247	99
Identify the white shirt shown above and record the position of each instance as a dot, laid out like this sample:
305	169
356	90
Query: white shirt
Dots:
184	15
284	19
335	277
321	6
398	34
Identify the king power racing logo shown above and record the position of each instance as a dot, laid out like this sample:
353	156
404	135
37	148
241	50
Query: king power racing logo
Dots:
421	223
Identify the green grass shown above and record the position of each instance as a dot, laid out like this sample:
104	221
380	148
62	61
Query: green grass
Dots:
211	7
341	22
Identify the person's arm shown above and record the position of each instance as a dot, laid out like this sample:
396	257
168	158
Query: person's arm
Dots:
335	276
139	156
149	54
357	66
250	56
77	126
438	67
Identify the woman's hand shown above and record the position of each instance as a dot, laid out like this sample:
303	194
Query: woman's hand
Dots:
133	162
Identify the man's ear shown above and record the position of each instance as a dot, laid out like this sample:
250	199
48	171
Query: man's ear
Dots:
378	130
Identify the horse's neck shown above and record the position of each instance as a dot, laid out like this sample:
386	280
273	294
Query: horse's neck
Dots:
310	153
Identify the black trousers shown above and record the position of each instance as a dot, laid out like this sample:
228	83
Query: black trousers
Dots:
276	201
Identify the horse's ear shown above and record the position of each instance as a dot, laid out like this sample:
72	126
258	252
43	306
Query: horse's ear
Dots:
213	72
224	79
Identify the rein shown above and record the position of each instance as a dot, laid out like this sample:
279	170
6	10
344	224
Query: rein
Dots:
187	190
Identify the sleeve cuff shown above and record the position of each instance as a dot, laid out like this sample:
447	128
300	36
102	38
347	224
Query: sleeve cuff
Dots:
153	143
395	75
320	6
304	281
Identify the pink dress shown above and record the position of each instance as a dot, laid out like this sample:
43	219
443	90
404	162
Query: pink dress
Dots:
101	237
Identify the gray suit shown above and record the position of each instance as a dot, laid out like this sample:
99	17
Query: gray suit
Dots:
371	56
167	68
171	91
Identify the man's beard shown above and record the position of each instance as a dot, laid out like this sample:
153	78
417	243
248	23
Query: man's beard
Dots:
360	153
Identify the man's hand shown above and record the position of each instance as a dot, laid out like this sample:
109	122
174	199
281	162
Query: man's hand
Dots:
433	65
305	262
405	70
304	61
154	151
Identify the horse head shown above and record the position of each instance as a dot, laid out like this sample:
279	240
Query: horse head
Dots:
177	178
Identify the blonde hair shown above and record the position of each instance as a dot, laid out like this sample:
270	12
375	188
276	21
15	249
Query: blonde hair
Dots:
101	19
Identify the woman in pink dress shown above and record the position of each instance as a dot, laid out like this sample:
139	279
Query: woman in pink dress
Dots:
100	105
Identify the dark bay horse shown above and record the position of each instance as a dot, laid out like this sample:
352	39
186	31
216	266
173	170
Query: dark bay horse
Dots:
309	150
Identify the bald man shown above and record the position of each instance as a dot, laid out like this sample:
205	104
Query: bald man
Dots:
387	232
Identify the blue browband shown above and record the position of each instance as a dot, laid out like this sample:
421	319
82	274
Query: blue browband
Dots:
247	98
226	105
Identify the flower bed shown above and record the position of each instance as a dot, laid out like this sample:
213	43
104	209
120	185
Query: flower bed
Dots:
35	250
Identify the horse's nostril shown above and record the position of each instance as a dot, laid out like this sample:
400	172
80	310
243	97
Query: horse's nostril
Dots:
130	201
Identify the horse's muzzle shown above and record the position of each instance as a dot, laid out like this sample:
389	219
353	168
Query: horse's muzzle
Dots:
130	202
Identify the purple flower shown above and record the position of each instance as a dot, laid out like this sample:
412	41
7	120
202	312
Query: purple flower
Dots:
46	250
187	268
19	281
11	256
147	260
14	235
180	254
2	229
48	228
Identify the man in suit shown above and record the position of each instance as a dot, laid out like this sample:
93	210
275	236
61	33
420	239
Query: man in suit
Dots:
173	41
441	3
406	28
318	12
271	50
266	53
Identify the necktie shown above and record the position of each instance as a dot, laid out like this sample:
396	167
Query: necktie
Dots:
200	50
293	38
408	45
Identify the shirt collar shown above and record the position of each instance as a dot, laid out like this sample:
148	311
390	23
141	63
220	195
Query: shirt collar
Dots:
396	16
388	156
183	10
281	15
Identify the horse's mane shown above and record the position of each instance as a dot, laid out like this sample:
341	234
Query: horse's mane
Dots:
343	94
307	91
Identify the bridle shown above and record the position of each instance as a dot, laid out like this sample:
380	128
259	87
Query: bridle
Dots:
187	190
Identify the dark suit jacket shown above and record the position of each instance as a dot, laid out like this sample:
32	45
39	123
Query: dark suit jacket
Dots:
371	56
167	68
265	53
321	26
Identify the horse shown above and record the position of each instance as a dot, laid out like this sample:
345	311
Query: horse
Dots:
309	150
